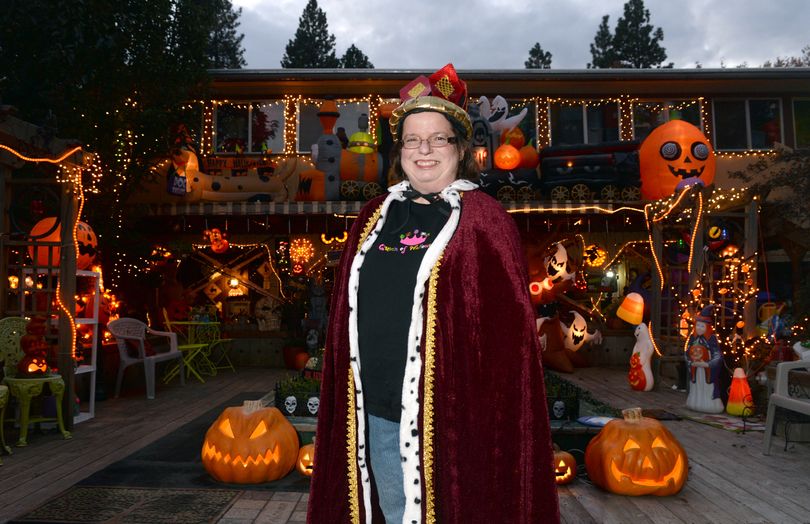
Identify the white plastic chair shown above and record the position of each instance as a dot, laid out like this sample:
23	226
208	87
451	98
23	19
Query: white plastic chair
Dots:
125	329
780	397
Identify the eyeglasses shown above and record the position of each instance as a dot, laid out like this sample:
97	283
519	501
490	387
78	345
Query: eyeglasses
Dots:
435	141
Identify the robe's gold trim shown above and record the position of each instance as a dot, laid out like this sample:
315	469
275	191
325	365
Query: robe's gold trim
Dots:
369	226
351	415
427	407
351	448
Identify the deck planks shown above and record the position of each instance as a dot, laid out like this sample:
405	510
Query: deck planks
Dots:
730	480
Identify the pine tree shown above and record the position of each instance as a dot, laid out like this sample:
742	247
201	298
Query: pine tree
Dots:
791	61
354	58
635	41
538	59
224	45
603	54
312	46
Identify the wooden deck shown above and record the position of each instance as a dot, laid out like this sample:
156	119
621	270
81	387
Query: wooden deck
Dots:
730	480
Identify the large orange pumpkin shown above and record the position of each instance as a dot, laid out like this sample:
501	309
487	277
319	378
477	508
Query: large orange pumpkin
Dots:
515	137
675	155
47	230
636	456
528	156
249	447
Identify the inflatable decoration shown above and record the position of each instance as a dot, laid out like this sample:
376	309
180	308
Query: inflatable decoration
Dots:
576	335
514	137
507	157
497	113
674	156
640	375
47	230
555	275
555	355
631	310
529	158
217	238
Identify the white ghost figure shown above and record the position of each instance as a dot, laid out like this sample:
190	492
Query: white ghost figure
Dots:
640	375
557	267
543	337
290	403
576	335
497	114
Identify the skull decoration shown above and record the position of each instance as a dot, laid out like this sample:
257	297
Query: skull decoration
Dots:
290	404
313	404
558	409
675	155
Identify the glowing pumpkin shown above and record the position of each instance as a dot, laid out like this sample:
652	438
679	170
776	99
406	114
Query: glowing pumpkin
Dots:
47	230
675	155
507	157
249	447
515	137
306	460
636	456
565	466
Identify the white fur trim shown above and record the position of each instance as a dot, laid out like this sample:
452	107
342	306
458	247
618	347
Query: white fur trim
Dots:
409	421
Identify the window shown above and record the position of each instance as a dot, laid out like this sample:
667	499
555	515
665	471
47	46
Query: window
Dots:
583	124
352	116
801	120
747	124
264	133
649	115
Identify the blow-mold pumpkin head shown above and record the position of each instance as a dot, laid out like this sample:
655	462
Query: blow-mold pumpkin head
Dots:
674	156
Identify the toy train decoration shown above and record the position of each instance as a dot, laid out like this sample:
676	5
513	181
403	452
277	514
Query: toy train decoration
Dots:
675	155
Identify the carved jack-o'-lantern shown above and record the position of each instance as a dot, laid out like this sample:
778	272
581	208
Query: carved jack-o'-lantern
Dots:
47	230
249	447
675	155
32	365
507	157
636	456
565	467
306	460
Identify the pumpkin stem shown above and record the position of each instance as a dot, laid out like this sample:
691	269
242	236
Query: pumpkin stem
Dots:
632	414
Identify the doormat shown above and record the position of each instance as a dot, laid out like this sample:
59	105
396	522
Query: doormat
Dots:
133	505
736	424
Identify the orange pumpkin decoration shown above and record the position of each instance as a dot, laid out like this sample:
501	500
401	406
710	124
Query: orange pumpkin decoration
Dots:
306	460
675	155
507	157
565	466
245	446
528	156
515	137
636	456
47	230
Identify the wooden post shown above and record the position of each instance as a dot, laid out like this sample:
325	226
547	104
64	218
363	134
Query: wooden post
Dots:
749	248
67	292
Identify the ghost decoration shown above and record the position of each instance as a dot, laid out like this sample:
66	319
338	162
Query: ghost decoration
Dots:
640	375
497	114
554	354
674	156
555	276
576	335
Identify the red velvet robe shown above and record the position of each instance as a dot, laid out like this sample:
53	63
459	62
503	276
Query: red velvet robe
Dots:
484	437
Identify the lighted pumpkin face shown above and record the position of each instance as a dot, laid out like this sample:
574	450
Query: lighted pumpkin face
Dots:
32	365
87	245
565	467
636	456
306	460
250	447
674	156
507	157
48	230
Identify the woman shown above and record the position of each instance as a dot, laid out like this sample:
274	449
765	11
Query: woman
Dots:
432	402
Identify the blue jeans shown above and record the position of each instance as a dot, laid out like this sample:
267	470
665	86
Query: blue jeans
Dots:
383	445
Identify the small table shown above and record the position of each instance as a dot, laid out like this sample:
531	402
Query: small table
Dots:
199	335
29	387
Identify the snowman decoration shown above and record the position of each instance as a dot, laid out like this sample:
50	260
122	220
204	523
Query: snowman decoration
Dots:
640	375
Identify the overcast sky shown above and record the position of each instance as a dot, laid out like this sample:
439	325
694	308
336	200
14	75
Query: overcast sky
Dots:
497	34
